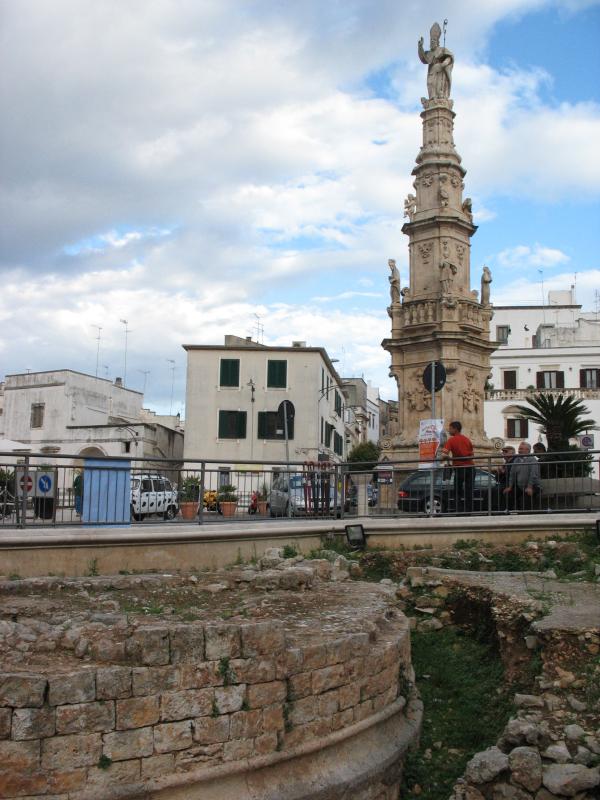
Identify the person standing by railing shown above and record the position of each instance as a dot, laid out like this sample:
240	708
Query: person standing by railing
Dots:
525	485
460	448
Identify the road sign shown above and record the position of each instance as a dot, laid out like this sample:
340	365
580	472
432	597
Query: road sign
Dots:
440	376
44	484
286	407
26	484
587	441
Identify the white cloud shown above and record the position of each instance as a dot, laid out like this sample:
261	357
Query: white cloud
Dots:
524	256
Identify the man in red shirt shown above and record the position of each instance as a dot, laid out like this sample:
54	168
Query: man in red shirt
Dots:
460	448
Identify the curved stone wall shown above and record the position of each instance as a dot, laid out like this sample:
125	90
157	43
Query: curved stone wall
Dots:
285	681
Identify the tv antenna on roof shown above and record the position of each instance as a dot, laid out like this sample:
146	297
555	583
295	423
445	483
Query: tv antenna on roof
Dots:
260	329
445	26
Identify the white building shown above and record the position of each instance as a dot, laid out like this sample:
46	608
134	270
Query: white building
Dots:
362	412
70	413
234	397
553	348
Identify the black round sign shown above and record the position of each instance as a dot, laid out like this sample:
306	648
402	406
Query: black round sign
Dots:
440	376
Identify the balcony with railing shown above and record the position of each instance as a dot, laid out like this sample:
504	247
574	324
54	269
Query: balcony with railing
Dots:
523	394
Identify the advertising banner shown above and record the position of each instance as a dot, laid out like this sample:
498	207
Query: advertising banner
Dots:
430	437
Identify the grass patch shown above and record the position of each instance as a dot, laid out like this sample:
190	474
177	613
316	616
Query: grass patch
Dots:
459	680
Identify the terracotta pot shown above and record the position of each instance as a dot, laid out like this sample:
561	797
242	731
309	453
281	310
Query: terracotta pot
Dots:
228	507
262	506
188	509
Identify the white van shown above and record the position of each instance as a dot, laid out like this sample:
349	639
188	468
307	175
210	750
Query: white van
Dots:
153	494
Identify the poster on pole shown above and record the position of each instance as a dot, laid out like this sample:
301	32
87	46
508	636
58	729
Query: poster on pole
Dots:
430	437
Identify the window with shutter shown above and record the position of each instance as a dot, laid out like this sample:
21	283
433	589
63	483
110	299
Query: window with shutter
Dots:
232	424
517	428
550	379
589	378
270	426
230	372
276	374
509	377
37	415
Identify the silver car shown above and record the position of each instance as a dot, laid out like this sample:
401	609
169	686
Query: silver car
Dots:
298	495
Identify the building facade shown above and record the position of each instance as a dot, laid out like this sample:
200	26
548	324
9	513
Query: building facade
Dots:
553	348
235	399
71	413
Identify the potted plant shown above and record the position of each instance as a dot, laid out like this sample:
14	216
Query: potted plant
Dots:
262	501
190	495
227	500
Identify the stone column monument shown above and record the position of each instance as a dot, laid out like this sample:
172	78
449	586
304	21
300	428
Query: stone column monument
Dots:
437	317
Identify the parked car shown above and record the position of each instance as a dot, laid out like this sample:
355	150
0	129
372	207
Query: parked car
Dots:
302	497
153	494
414	493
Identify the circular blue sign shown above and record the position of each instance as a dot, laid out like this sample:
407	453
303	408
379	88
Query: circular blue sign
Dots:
45	483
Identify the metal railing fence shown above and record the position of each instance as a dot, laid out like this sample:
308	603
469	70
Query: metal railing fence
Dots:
66	490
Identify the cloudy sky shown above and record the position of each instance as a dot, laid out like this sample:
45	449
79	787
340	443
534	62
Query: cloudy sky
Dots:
203	167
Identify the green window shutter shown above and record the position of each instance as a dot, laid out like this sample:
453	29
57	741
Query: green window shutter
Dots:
241	424
232	424
262	425
230	372
276	374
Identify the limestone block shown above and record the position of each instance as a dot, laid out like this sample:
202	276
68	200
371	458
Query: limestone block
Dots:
363	710
302	711
349	695
153	680
328	703
119	774
266	694
314	657
157	766
113	683
236	749
525	764
66	781
72	687
230	698
574	732
342	719
529	701
210	730
22	691
328	678
200	676
187	643
5	721
294	661
557	752
486	766
307	733
137	712
66	752
321	568
197	754
184	704
246	724
33	723
86	717
107	650
300	685
262	638
570	779
254	670
19	755
340	650
296	579
222	641
16	783
149	646
121	745
272	718
172	736
507	791
265	743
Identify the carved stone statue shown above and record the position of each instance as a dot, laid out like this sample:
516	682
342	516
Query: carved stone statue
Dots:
439	65
394	280
486	279
447	273
410	206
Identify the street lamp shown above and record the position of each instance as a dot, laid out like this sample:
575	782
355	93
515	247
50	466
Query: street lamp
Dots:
172	362
99	328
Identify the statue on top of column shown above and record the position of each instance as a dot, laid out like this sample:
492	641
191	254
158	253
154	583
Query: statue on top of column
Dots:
394	279
439	62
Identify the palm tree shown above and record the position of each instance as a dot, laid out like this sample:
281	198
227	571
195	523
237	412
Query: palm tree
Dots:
560	418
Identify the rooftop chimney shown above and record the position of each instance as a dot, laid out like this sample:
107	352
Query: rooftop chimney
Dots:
119	382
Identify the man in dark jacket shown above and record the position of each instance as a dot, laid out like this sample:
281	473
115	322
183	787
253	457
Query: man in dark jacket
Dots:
524	485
